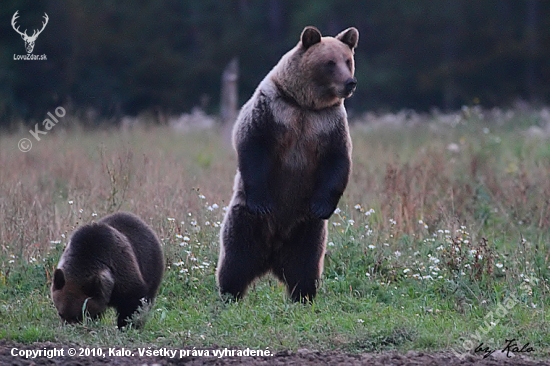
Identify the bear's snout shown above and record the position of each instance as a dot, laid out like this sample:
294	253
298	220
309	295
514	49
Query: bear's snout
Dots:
350	86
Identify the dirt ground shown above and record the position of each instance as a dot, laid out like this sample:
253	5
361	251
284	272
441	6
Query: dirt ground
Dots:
14	354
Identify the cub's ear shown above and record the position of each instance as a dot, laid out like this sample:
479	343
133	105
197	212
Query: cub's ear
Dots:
349	36
58	279
310	36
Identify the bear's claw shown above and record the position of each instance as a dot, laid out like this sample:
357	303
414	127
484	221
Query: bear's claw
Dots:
259	209
322	210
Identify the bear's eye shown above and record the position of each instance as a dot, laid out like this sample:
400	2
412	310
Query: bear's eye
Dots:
348	63
330	64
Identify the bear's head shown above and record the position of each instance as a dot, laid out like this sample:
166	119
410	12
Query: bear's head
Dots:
319	71
75	296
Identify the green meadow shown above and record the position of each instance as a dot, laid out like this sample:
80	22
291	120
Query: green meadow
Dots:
441	241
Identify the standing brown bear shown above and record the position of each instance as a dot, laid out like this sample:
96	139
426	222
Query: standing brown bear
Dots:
115	262
294	161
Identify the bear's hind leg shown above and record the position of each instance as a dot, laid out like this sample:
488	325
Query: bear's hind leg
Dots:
126	311
299	263
242	253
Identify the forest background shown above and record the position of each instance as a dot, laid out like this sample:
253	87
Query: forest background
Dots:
115	58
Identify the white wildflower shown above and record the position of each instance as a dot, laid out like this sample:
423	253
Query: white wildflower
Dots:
213	207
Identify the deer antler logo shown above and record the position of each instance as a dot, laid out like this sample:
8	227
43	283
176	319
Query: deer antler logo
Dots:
29	41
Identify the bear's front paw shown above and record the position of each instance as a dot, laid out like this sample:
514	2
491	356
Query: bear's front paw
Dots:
322	209
258	207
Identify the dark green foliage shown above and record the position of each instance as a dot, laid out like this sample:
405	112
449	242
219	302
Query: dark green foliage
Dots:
167	56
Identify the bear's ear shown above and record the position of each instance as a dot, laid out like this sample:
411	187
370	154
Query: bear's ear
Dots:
310	36
101	286
58	279
349	36
106	283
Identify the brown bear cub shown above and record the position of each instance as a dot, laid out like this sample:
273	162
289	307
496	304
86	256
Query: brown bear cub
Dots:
294	160
116	262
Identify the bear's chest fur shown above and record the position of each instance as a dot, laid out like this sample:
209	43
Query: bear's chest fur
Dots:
303	136
298	147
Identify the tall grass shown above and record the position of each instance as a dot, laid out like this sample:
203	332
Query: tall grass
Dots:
445	217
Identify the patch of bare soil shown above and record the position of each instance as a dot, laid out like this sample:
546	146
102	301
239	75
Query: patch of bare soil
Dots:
19	354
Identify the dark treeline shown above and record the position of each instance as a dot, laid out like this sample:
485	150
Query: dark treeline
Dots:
129	57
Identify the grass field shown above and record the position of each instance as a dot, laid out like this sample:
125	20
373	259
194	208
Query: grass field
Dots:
440	241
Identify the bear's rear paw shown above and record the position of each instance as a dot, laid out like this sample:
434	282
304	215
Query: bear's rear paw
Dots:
304	295
229	295
228	298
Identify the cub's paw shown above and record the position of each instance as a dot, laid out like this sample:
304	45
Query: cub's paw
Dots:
322	209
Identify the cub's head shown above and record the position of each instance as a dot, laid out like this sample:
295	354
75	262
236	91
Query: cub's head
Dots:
73	296
319	71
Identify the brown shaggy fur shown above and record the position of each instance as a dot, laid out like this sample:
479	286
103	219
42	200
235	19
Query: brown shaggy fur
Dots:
294	161
115	262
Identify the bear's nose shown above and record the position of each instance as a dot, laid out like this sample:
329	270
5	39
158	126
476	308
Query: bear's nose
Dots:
350	85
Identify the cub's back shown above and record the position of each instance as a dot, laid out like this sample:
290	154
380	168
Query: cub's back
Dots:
144	242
